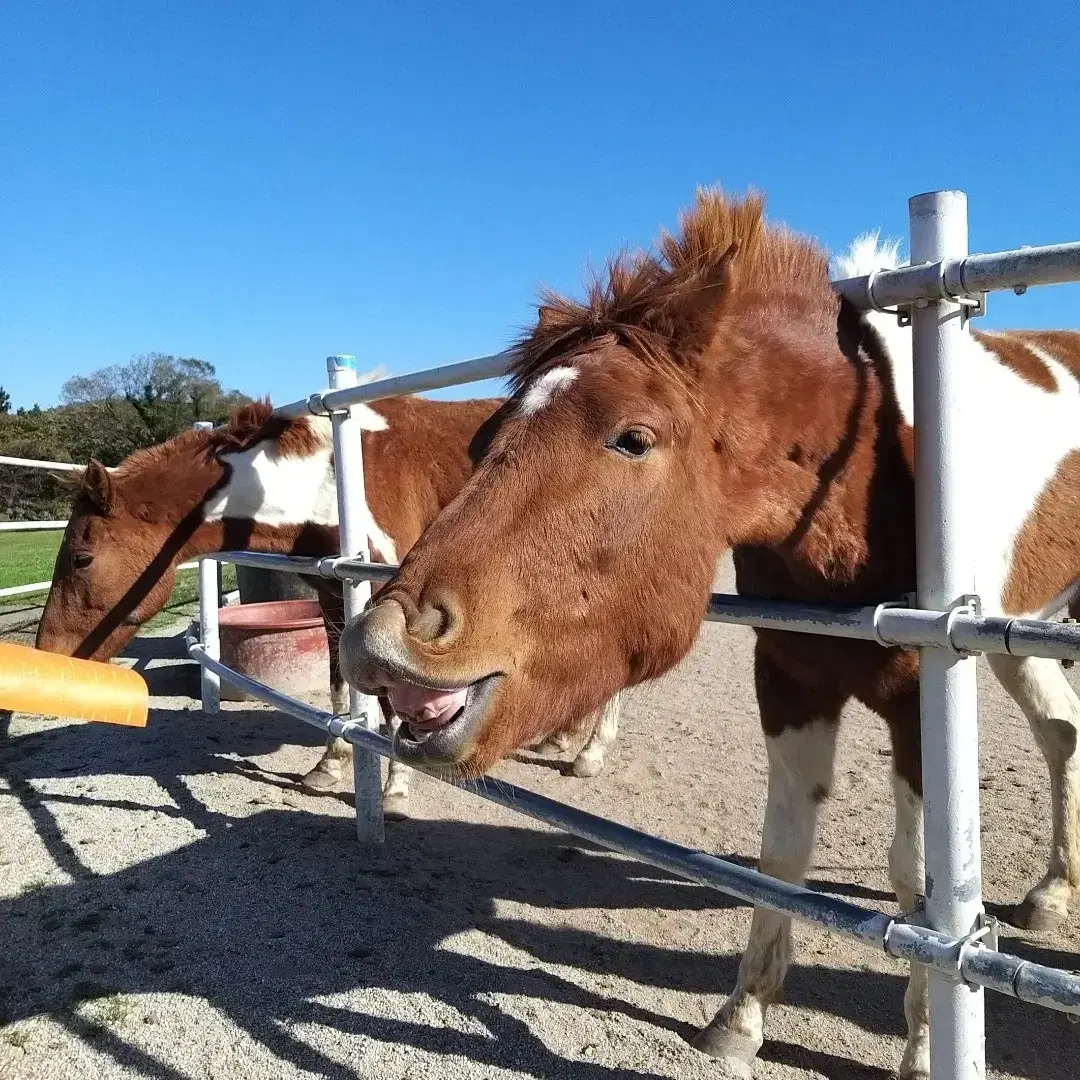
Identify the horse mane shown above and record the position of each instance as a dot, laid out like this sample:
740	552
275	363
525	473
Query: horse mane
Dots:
634	302
246	425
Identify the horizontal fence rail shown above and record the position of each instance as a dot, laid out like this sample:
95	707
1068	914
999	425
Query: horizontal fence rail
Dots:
888	624
466	371
1053	264
45	586
34	463
32	526
978	965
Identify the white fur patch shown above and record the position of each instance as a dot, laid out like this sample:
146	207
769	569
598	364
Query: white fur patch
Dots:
279	489
545	388
273	488
1005	485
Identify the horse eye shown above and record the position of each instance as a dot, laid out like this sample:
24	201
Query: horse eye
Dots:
634	442
81	560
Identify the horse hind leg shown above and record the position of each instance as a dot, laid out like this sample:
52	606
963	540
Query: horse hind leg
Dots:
907	867
1052	709
330	768
800	735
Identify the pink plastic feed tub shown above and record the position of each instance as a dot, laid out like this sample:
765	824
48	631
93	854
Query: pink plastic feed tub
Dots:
281	643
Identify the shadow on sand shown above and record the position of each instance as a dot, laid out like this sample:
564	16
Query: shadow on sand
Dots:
266	916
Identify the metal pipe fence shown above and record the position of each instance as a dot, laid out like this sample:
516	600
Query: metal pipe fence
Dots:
1009	975
939	292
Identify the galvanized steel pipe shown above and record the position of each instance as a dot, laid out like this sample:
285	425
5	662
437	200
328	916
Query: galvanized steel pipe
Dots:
1008	975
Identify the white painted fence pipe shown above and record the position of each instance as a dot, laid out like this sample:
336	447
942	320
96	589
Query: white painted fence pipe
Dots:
32	526
949	703
33	463
209	631
352	522
45	586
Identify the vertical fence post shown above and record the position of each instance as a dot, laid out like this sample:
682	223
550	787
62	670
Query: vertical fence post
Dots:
351	496
949	699
209	599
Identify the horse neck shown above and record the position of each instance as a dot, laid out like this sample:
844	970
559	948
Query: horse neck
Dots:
835	510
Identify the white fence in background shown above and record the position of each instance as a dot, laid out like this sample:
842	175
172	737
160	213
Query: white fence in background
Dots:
42	526
938	291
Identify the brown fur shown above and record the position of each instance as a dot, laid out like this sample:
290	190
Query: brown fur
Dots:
1012	350
142	519
1047	549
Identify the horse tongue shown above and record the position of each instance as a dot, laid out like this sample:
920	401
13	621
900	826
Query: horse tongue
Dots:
432	708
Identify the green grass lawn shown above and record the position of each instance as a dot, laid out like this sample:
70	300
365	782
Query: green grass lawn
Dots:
29	557
26	557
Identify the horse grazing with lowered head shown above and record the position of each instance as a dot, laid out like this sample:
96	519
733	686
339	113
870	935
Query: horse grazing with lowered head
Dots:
718	395
261	483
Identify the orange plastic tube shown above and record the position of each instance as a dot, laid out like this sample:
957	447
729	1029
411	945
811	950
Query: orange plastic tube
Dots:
33	681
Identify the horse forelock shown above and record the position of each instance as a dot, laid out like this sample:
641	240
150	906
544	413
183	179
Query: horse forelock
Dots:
638	300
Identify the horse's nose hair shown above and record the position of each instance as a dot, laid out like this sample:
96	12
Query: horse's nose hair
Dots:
435	620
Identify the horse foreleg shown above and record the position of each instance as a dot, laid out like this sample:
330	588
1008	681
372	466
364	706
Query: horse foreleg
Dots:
800	735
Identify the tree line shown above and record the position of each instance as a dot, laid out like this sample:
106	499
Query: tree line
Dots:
105	415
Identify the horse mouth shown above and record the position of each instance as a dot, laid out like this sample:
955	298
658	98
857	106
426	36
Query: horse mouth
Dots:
446	737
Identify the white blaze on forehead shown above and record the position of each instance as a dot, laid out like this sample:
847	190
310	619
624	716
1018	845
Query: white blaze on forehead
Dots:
545	388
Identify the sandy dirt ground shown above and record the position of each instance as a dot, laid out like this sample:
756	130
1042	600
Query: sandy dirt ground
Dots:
173	906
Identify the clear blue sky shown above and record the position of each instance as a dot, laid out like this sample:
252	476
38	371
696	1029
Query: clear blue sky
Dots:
262	183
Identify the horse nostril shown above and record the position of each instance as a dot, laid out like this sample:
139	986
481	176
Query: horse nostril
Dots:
436	620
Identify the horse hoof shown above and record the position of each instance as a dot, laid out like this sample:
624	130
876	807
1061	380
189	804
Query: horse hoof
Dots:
916	1063
734	1051
319	781
395	807
1031	915
587	766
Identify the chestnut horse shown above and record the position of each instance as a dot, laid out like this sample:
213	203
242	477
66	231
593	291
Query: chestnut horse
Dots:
719	395
261	483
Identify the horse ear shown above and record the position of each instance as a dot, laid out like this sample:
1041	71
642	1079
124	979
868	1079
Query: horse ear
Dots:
546	316
97	486
697	310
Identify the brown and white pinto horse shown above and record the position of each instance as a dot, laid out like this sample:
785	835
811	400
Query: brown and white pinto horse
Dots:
719	395
258	483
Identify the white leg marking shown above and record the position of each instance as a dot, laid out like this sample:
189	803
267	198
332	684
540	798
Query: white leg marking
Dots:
800	777
1052	709
908	875
339	698
590	760
545	388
